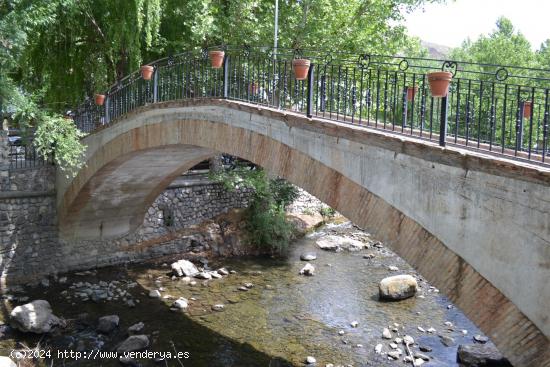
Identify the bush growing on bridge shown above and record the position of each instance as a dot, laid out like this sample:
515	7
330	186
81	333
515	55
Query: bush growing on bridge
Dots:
266	223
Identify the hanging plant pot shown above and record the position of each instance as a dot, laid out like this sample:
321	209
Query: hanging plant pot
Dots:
411	92
99	99
301	68
527	106
439	83
216	58
147	72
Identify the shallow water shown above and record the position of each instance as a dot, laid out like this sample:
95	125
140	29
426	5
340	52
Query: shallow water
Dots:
283	319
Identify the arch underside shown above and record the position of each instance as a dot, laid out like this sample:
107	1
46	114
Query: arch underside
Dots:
110	196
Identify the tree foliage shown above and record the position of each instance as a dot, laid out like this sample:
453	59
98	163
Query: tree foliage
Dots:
70	49
266	223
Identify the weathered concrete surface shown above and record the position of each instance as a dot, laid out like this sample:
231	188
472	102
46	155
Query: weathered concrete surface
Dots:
476	226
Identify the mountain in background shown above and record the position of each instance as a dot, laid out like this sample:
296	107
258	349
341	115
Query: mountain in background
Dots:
436	51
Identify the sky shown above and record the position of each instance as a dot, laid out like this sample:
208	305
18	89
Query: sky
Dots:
451	23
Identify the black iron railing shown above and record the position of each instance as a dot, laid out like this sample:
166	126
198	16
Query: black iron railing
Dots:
495	108
22	154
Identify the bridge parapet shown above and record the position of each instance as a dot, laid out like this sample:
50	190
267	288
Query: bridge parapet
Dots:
500	109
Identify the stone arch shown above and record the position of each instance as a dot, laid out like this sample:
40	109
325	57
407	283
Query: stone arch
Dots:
153	133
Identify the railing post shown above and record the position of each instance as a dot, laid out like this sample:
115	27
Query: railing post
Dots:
107	104
226	77
155	85
443	121
310	78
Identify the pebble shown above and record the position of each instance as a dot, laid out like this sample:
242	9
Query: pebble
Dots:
136	328
386	334
421	356
393	268
425	349
378	348
446	340
354	324
398	340
308	256
420	328
368	256
308	269
223	271
408	340
154	293
393	346
243	288
310	360
464	332
448	324
218	307
418	362
248	285
394	354
341	332
481	339
431	330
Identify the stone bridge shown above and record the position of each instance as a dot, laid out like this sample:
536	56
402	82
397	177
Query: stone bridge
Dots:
475	225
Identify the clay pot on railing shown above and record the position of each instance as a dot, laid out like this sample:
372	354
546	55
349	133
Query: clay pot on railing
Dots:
439	83
527	106
216	58
301	68
99	99
147	72
411	92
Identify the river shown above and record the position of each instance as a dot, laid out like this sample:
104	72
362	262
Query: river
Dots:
283	318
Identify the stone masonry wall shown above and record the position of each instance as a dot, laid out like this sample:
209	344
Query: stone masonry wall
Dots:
166	229
29	243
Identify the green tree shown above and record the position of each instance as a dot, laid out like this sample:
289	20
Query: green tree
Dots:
266	223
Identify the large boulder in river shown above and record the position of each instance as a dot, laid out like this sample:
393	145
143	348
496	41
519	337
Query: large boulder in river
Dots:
184	268
34	317
397	287
480	355
133	343
336	243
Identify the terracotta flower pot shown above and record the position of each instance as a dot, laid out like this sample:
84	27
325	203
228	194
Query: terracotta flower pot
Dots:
147	72
527	105
301	68
439	83
216	58
99	99
411	92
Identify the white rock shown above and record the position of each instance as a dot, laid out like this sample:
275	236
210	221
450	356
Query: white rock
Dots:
308	269
378	348
203	275
218	307
431	330
181	303
311	360
408	340
223	271
354	324
154	293
421	329
393	268
184	268
386	333
34	317
397	287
